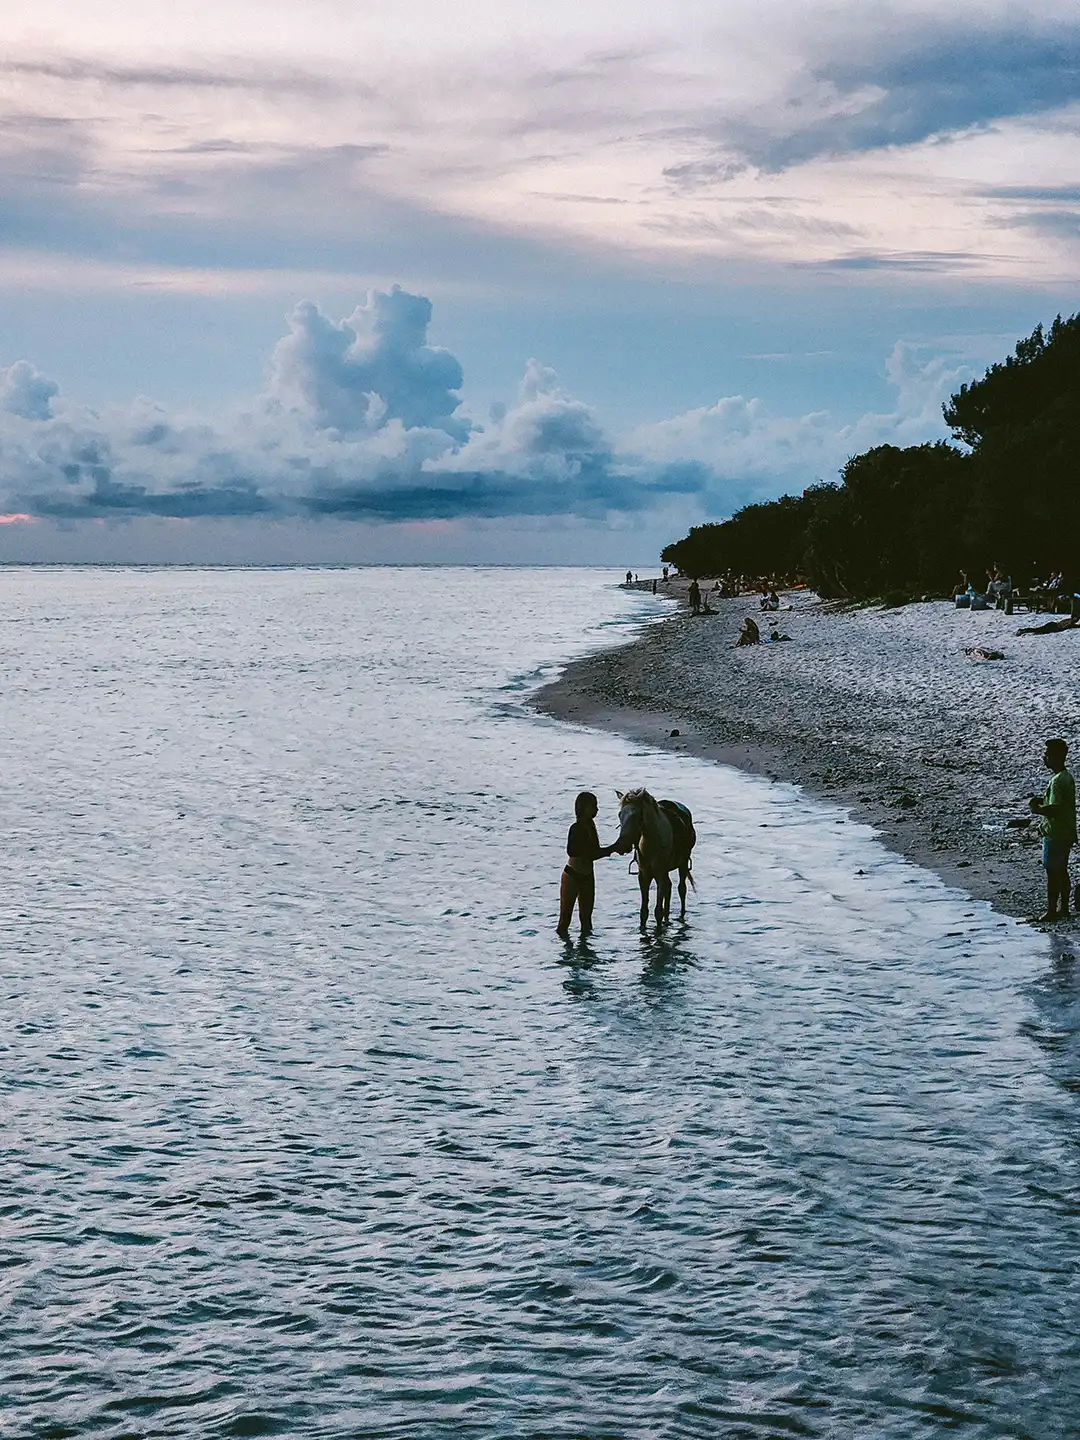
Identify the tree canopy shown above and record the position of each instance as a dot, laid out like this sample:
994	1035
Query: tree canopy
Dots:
907	520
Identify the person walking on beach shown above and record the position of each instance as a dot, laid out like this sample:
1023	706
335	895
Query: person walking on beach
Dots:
578	886
694	596
1058	810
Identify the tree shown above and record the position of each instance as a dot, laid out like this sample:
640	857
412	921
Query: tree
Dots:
906	520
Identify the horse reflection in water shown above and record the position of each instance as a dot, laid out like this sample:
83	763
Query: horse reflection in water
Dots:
661	833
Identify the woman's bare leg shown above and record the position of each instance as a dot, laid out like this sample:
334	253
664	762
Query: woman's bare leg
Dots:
568	893
586	901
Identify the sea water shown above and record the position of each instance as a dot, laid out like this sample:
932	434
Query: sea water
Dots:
312	1127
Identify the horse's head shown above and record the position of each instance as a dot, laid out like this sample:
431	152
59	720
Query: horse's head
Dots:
632	806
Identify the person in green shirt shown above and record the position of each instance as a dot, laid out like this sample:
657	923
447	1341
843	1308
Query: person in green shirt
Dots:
1058	828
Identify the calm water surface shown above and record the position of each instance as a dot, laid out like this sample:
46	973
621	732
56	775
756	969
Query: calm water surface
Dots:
312	1128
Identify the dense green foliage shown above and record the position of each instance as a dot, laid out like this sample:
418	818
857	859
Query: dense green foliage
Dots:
907	520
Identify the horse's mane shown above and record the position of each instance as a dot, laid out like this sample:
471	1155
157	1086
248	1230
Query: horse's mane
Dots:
636	797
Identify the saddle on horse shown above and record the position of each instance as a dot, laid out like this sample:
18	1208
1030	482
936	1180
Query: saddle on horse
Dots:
683	834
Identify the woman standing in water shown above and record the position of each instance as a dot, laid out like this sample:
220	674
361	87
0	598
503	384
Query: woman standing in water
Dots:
582	848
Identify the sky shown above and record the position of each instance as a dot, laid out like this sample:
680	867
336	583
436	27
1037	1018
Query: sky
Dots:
316	280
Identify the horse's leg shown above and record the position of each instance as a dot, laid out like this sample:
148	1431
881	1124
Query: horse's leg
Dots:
643	886
682	892
663	890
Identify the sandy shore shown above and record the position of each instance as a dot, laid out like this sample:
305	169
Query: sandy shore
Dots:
879	710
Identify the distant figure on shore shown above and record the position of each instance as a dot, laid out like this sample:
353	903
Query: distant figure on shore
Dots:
749	634
665	574
694	596
1050	627
1058	810
629	576
577	886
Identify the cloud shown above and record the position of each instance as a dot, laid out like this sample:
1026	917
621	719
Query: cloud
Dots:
373	366
83	69
930	262
943	81
362	420
1061	225
305	159
26	393
749	452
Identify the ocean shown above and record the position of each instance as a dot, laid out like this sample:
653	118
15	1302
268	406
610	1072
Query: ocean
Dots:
311	1126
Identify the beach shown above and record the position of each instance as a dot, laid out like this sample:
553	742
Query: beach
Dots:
879	710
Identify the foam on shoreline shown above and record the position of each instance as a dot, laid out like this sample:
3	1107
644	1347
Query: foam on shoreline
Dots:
879	710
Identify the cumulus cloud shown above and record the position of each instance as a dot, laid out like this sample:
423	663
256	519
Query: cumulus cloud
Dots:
752	453
26	393
362	419
376	365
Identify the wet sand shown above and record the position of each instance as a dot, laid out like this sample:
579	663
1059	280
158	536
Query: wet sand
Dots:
880	711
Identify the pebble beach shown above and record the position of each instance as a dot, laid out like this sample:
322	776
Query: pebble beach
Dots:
879	709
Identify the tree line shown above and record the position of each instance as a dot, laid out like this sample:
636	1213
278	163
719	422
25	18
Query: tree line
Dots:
904	522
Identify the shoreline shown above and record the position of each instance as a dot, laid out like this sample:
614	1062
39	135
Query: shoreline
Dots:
878	711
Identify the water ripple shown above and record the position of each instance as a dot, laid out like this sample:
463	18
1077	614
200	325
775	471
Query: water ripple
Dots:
311	1127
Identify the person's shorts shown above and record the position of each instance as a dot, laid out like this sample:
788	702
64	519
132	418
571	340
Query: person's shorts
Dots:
1055	854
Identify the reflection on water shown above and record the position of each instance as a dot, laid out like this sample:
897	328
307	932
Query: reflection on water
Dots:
308	1131
665	952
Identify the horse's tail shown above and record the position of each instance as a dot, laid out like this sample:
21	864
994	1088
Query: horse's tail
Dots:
690	877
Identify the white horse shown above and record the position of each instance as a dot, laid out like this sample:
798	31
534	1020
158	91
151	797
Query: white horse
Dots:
661	832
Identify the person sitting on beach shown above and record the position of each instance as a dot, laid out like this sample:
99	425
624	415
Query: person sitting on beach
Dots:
1046	595
963	585
774	635
1058	827
577	886
749	634
997	589
774	601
